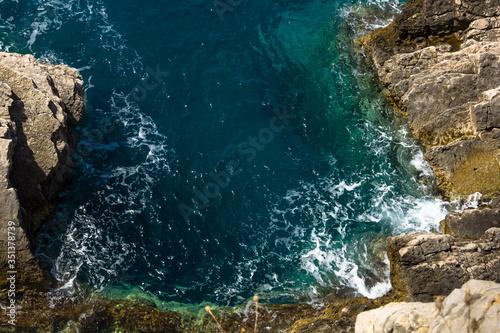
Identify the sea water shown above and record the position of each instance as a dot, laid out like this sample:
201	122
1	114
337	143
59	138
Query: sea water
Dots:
228	148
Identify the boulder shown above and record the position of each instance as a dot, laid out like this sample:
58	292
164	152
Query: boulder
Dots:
475	307
427	265
471	224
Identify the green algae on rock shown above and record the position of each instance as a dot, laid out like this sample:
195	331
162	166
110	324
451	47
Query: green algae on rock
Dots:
47	313
440	64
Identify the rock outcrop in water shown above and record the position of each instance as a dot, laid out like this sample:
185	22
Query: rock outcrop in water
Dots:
440	62
473	308
40	104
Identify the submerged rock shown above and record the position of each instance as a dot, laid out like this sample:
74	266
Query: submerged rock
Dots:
473	308
40	104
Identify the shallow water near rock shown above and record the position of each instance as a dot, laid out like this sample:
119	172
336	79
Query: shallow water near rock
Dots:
225	153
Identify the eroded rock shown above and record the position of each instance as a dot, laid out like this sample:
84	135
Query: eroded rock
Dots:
39	105
426	265
477	312
440	62
471	224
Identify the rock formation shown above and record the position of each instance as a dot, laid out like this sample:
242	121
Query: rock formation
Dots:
473	308
440	62
426	265
472	223
40	103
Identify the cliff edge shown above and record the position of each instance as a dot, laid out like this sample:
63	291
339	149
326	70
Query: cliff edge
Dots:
440	63
40	104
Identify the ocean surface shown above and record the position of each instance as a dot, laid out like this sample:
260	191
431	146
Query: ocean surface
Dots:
229	148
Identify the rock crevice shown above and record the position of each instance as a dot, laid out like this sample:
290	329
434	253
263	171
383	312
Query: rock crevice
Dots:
440	63
40	104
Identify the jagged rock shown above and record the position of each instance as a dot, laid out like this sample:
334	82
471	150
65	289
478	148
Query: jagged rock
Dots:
39	105
427	22
471	223
480	314
25	263
440	62
484	114
426	265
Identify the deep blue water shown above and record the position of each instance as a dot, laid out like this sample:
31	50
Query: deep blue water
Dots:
222	158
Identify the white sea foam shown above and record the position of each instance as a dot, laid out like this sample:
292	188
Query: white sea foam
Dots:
88	244
93	244
332	251
370	15
321	247
472	201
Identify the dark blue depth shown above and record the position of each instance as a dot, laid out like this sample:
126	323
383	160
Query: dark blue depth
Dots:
226	150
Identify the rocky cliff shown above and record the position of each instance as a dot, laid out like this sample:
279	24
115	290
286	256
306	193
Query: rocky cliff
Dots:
40	104
427	265
440	64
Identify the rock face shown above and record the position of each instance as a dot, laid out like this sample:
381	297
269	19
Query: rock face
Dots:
472	223
426	265
440	62
478	312
39	105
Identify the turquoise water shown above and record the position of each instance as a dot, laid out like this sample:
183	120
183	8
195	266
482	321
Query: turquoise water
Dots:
225	153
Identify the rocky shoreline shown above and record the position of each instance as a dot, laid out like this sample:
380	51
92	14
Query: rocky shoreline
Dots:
40	104
440	64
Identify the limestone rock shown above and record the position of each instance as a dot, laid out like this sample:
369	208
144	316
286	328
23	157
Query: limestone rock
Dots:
39	105
13	216
440	62
467	166
427	265
456	315
472	223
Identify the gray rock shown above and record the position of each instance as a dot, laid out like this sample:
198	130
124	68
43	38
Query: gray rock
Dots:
39	105
485	115
455	315
427	265
471	224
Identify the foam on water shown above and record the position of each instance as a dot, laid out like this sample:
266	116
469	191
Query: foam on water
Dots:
335	251
307	217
